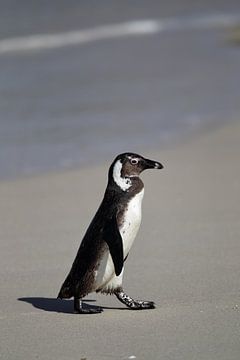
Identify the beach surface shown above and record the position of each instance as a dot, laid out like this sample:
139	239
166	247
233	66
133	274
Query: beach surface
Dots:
185	258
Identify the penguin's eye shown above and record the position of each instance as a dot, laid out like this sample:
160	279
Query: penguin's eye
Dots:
134	161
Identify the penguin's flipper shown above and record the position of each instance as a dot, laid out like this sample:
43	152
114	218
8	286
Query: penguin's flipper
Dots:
113	238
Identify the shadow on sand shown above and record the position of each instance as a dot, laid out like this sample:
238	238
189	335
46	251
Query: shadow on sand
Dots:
58	305
54	305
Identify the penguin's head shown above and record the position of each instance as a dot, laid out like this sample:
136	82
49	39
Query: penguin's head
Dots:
130	165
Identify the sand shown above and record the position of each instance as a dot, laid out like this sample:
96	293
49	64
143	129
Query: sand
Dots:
186	258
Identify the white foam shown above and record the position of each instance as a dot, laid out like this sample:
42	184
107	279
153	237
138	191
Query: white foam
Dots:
50	41
131	28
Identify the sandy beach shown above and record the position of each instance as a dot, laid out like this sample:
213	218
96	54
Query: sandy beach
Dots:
185	258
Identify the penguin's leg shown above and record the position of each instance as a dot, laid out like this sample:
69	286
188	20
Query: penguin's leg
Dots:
131	303
114	286
78	308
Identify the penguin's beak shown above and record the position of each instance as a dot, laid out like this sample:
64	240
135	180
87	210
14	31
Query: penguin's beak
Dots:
151	164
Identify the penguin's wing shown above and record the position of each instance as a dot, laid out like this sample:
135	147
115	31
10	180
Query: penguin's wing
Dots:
113	238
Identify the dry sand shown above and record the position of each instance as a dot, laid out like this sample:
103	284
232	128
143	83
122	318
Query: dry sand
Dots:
186	258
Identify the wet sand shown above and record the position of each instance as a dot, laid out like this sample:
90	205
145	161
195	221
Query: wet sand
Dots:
185	258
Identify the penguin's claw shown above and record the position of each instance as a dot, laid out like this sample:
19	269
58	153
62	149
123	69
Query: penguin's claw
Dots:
88	311
141	305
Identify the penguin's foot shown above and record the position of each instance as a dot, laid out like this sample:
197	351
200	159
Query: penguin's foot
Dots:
78	308
134	304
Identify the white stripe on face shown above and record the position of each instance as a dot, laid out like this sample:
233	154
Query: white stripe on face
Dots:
123	183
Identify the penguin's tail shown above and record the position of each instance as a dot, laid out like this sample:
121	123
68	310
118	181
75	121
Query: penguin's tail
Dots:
66	291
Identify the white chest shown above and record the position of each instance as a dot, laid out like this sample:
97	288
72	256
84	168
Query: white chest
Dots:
132	221
128	231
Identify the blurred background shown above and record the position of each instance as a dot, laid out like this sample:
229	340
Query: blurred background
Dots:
81	81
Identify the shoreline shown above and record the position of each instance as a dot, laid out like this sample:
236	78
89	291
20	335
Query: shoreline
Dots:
176	141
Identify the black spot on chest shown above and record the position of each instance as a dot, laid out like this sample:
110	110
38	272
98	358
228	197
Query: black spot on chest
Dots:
136	188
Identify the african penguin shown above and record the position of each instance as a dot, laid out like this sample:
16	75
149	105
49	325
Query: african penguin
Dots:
99	263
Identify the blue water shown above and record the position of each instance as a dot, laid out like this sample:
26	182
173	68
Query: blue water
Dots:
77	106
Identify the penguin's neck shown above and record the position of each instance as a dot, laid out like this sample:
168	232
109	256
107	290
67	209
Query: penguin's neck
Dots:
130	184
116	175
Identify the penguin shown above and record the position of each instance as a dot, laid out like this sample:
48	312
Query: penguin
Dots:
99	263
